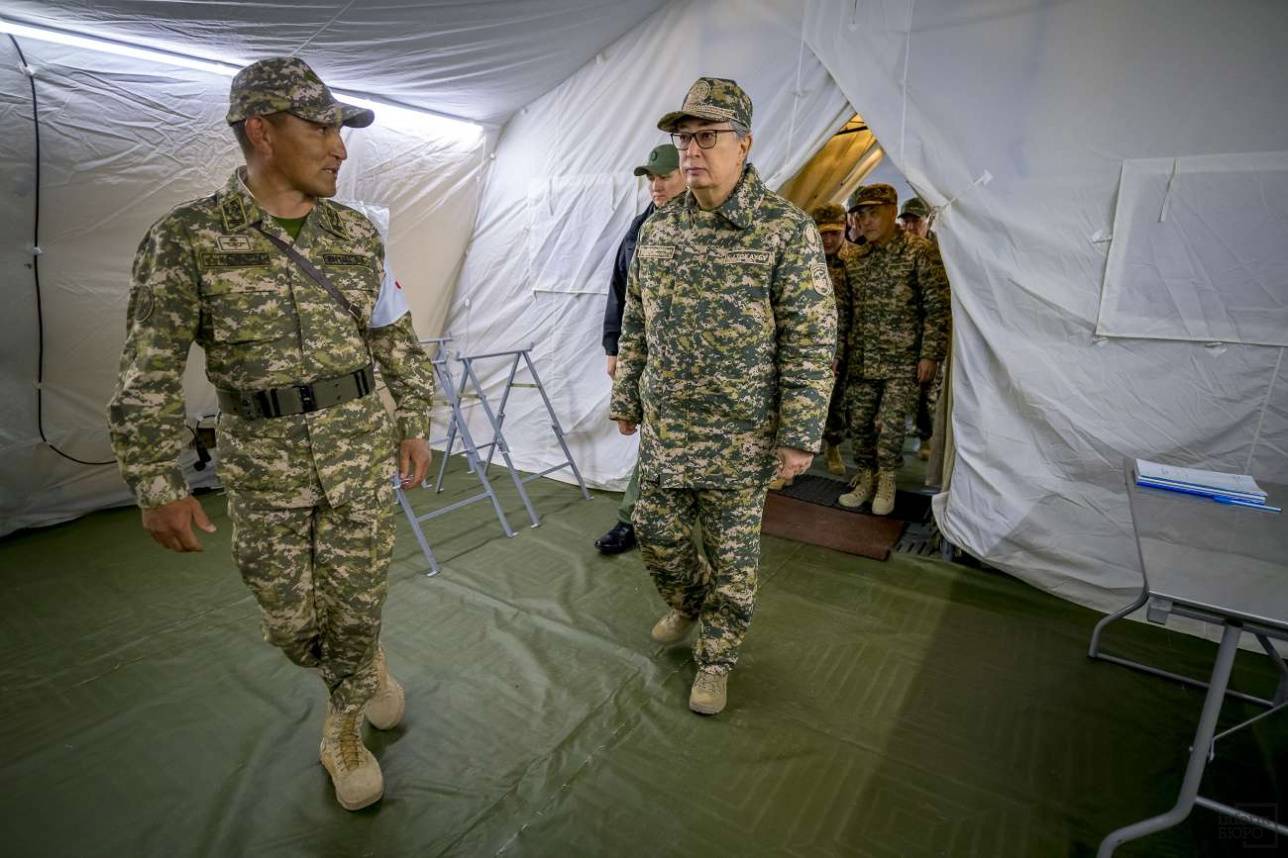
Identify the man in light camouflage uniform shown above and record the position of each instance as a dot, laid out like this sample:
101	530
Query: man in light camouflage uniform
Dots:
307	451
898	337
725	360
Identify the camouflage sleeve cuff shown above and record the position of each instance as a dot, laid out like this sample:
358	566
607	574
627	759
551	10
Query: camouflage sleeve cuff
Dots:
413	427
799	441
164	488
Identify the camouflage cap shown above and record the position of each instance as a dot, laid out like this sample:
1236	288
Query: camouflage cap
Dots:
715	98
288	85
662	161
915	207
879	194
829	218
851	202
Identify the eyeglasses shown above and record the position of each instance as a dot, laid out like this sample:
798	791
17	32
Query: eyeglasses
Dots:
706	138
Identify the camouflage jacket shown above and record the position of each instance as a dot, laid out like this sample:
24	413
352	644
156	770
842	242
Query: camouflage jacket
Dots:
899	297
727	339
204	274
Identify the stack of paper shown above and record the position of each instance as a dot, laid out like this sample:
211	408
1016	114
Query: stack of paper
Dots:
1238	489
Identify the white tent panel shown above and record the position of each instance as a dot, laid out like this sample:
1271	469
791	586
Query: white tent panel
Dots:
481	60
1018	116
602	122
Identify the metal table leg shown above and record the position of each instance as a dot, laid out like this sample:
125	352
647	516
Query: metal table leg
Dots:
1198	753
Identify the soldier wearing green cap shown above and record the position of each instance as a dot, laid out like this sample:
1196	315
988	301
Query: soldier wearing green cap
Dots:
665	182
725	365
898	337
289	296
914	218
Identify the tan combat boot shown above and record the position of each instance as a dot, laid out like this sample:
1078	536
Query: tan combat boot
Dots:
778	483
923	451
860	490
352	768
834	463
883	503
672	628
386	707
707	697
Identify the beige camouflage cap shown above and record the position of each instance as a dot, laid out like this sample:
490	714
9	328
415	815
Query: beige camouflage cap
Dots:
829	218
288	85
879	194
716	98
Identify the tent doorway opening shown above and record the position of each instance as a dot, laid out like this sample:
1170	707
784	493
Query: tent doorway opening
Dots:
851	157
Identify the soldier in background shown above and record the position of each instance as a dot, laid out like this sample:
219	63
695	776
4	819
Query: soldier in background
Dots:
725	362
288	294
898	337
665	181
915	219
853	237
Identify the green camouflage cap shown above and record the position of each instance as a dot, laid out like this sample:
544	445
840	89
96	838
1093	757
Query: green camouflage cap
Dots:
879	194
716	98
829	218
288	85
852	202
662	161
915	207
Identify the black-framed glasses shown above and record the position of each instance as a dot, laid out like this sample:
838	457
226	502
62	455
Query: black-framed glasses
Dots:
706	138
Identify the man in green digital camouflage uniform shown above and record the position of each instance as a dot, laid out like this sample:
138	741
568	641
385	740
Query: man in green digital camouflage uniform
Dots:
724	360
307	451
898	336
914	218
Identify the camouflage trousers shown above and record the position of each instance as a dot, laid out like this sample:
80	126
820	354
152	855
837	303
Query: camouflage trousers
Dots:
715	584
877	409
320	577
834	428
927	400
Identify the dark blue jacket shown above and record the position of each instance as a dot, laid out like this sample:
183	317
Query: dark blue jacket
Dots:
617	286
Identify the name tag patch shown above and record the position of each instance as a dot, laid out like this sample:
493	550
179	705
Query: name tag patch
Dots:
655	251
345	259
234	260
745	257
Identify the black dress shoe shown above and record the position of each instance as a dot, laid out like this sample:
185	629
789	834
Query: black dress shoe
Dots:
620	538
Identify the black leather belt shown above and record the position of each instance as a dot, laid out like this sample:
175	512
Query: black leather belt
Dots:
298	398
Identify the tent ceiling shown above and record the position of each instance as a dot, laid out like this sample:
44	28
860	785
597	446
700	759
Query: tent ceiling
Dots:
481	60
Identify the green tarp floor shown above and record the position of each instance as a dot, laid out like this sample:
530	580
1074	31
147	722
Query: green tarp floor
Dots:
906	708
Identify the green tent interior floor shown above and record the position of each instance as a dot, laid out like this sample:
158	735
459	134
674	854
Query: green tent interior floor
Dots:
905	708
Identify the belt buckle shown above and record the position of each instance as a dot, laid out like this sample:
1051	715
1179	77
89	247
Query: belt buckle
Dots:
308	402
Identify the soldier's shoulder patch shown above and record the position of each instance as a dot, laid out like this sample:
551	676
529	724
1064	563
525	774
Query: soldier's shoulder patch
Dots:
745	257
144	303
822	279
655	251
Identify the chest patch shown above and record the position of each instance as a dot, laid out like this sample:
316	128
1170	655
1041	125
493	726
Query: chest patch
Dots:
234	260
745	257
655	251
345	259
235	243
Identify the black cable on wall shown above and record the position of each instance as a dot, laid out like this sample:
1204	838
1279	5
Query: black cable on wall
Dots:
35	271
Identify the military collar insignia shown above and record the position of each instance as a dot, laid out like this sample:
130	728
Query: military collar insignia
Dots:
329	217
237	205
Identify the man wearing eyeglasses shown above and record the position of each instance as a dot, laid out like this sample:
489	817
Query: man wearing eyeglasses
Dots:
665	181
724	361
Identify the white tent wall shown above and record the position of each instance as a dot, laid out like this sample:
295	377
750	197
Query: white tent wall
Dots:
589	133
1050	98
123	141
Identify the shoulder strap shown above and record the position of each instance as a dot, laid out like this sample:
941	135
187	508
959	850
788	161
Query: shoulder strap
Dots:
314	273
